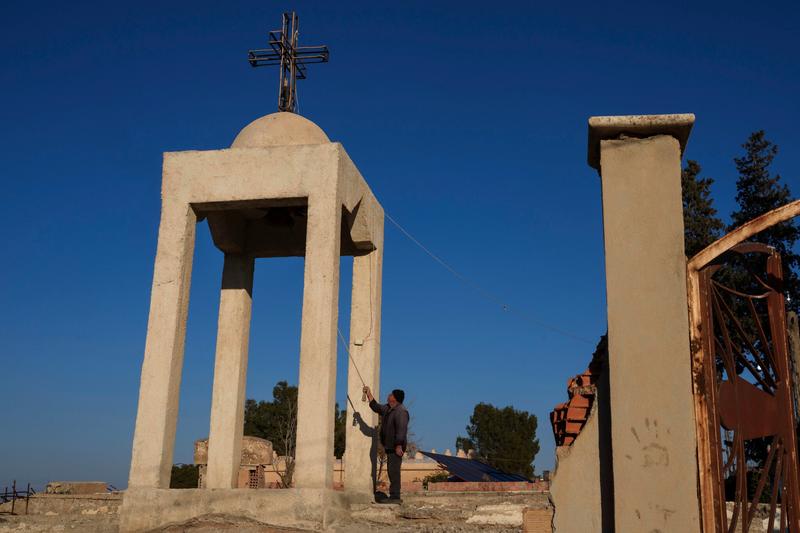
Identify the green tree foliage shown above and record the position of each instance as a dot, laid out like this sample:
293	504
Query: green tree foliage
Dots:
276	420
759	191
184	477
465	444
700	222
504	438
438	477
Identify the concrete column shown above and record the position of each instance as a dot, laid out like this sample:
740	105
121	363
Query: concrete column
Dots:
317	383
154	436
653	428
365	348
230	373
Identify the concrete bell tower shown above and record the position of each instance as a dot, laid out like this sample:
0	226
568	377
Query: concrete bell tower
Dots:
282	189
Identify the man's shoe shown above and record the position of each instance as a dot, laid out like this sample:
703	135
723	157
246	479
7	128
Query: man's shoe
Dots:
395	501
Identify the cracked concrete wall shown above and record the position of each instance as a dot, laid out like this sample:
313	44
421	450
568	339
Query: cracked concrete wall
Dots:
575	488
582	490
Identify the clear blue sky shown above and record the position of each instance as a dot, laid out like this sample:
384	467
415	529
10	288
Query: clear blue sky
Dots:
469	122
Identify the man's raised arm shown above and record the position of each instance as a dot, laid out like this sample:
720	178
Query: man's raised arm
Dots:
375	406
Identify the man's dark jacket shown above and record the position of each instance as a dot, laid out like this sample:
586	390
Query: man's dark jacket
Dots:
394	425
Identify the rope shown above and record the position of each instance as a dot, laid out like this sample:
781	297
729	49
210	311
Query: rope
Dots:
350	356
351	403
486	293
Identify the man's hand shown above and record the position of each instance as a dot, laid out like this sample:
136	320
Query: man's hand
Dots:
368	392
398	450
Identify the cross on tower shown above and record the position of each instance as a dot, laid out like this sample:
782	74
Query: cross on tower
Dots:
292	59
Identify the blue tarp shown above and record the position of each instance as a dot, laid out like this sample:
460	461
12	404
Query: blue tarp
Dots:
472	470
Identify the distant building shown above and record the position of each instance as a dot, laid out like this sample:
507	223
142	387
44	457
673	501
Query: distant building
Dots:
257	457
260	466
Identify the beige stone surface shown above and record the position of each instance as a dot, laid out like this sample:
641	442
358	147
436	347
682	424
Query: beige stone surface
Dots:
317	380
230	373
279	129
581	488
255	451
47	513
99	503
423	512
76	487
575	486
364	346
281	172
537	521
639	126
159	389
500	514
217	523
301	508
653	428
485	512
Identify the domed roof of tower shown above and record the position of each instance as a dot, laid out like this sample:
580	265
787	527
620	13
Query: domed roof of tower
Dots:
279	129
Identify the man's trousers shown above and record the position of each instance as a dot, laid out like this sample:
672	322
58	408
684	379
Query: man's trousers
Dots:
393	466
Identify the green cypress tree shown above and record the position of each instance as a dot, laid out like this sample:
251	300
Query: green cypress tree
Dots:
701	226
758	191
504	438
184	477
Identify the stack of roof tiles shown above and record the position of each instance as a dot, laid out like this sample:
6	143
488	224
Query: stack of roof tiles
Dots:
569	418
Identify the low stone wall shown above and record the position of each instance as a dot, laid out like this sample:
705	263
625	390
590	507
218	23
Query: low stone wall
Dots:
146	509
76	487
57	504
98	513
405	486
276	511
412	486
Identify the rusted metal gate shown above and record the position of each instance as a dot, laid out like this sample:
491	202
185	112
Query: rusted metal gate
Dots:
744	407
747	383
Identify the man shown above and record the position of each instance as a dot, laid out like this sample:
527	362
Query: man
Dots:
394	432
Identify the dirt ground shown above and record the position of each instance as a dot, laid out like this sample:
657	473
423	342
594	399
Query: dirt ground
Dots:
445	513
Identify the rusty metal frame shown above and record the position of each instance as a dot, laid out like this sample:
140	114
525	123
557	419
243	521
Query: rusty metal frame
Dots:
15	495
700	350
291	58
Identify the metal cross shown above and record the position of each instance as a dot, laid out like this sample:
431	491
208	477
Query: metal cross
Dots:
292	59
